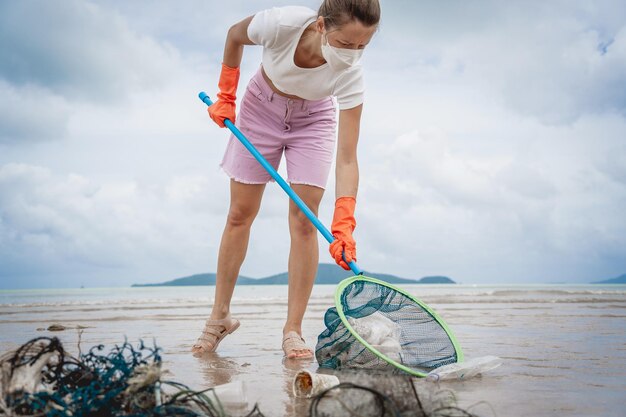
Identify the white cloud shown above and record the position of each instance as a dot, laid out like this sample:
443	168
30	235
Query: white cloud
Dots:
553	61
114	227
31	114
546	213
80	54
80	50
555	70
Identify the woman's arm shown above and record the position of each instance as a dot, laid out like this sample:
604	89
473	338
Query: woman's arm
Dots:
343	249
224	107
347	167
235	40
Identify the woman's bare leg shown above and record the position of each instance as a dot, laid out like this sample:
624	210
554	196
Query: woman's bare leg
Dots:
303	261
245	200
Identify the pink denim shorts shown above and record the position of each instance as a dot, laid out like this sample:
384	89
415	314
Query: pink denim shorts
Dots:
303	129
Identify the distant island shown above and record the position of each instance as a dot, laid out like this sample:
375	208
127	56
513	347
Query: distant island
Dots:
618	280
326	274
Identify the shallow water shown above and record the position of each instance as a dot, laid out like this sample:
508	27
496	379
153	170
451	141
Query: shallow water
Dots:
564	346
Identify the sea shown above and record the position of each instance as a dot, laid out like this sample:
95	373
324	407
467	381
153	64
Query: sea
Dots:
563	347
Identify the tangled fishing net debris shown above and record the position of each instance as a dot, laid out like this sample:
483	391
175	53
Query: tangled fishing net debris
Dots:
41	379
354	400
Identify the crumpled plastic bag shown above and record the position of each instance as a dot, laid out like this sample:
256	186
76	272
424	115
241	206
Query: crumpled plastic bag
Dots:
380	332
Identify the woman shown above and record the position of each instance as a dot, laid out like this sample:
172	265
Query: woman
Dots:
309	60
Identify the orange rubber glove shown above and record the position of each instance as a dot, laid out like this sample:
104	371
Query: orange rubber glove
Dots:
224	107
342	228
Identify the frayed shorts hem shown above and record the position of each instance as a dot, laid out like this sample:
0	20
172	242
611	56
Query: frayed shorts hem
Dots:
243	181
249	182
306	183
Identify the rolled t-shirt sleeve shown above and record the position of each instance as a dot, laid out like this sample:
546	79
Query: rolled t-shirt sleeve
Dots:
264	27
350	88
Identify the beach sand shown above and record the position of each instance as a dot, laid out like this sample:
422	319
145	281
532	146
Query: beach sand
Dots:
564	347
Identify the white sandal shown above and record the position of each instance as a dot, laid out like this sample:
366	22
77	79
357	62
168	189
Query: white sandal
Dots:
292	341
212	335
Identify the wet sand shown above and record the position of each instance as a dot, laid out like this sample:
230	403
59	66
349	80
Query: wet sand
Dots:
564	347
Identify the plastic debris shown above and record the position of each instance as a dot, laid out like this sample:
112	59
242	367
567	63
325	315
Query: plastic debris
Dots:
465	370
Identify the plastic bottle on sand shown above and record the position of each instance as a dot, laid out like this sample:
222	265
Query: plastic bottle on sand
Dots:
464	370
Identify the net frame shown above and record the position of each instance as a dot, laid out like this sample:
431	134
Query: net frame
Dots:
339	306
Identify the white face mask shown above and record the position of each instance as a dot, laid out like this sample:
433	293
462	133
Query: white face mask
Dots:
339	58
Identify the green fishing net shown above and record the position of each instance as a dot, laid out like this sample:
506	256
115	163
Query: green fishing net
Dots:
375	325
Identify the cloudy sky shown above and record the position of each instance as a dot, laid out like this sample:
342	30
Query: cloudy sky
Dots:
493	145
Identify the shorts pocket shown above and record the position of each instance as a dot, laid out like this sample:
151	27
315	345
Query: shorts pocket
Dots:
322	108
254	90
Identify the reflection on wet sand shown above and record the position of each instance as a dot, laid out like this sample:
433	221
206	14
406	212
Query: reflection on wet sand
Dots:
218	370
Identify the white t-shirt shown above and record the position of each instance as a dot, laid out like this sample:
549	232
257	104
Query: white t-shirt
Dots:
278	30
